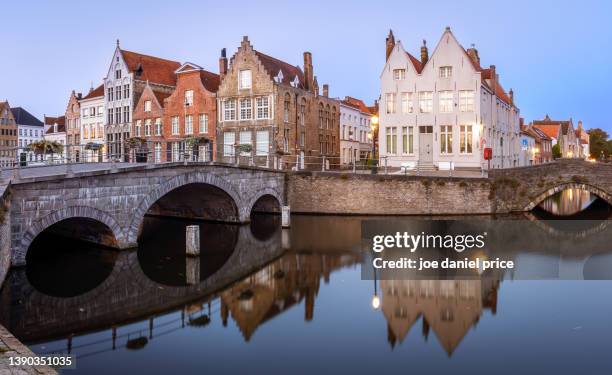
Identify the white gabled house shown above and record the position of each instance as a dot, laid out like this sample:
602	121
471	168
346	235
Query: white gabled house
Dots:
444	108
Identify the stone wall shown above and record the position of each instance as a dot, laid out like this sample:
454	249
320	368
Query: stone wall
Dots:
334	193
5	233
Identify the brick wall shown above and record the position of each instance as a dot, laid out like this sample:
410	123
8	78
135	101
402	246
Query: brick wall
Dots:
332	193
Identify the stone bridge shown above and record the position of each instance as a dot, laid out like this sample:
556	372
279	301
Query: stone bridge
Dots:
120	198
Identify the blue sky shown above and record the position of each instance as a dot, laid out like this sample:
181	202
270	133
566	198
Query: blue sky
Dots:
556	55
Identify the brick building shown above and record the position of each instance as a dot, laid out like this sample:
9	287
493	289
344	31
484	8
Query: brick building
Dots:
275	108
8	136
73	127
148	136
561	132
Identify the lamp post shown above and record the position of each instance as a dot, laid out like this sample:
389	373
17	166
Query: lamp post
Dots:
374	128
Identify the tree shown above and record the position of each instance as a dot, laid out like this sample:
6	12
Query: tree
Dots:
45	147
599	145
556	151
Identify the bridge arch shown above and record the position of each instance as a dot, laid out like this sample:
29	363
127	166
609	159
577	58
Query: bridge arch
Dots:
262	194
568	185
71	212
176	182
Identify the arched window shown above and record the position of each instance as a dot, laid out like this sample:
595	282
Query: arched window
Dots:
321	115
286	108
327	117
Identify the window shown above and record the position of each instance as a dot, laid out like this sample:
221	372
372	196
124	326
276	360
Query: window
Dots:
390	101
407	140
110	94
138	126
229	110
465	139
147	106
321	116
118	92
466	101
286	108
117	72
406	102
126	91
188	124
147	127
126	114
445	99
203	123
246	110
302	138
446	139
244	79
446	71
158	126
391	133
117	115
245	139
188	98
263	107
109	116
286	140
175	125
263	143
228	143
425	101
158	151
302	111
399	74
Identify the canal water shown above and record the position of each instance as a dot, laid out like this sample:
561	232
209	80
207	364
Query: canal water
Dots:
264	300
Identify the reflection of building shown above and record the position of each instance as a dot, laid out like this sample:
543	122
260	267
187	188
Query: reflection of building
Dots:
568	202
277	287
448	307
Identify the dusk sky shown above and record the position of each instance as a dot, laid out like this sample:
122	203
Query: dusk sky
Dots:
556	55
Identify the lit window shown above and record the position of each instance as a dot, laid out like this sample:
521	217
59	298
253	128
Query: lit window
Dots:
466	101
390	101
445	100
245	79
407	140
399	74
391	133
446	139
465	139
446	71
425	101
406	102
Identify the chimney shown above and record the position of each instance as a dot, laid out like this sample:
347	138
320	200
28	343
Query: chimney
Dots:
326	90
424	53
511	93
222	64
473	54
308	72
580	124
390	43
493	78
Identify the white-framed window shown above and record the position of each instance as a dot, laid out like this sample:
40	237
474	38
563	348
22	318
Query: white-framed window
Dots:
147	106
465	139
446	71
229	110
466	100
138	128
176	151
391	133
446	139
246	109
445	100
158	126
407	140
203	123
175	125
407	102
399	74
189	124
188	98
147	127
158	151
229	138
390	102
262	142
245	139
244	81
425	101
263	107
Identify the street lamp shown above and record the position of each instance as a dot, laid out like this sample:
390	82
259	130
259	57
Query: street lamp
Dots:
374	127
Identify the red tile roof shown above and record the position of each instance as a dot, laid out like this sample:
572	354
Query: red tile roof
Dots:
418	66
551	130
95	93
357	103
60	121
211	81
160	96
152	69
274	65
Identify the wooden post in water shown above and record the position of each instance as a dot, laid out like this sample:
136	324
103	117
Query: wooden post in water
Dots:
193	240
192	271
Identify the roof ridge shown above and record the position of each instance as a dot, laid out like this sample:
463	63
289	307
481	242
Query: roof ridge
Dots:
145	55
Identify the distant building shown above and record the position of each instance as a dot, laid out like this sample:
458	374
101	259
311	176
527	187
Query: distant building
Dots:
128	74
92	125
148	133
445	109
528	149
276	109
30	129
583	141
56	132
543	145
355	123
561	132
8	136
73	128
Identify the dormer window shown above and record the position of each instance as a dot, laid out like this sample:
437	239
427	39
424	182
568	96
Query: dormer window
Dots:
296	82
147	106
399	74
279	77
244	81
446	71
188	98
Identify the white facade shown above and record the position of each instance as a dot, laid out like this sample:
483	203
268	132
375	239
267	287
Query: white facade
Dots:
92	128
118	104
445	110
354	129
56	133
26	134
528	150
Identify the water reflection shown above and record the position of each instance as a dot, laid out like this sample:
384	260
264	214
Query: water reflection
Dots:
568	202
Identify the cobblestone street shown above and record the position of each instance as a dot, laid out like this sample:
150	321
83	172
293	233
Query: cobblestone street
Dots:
11	347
